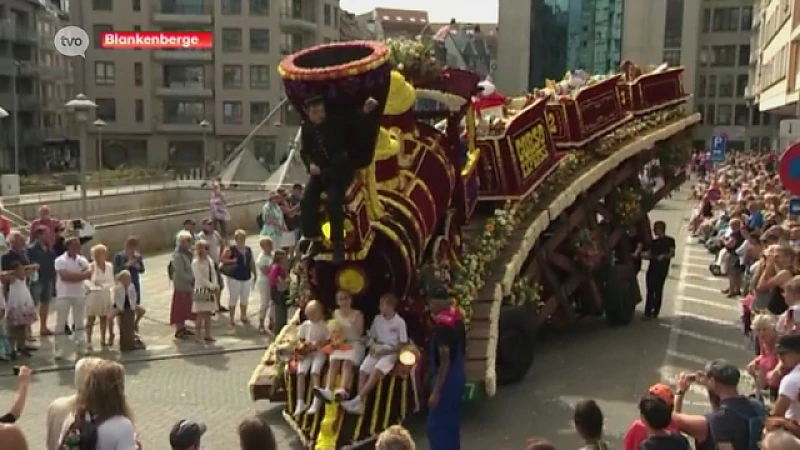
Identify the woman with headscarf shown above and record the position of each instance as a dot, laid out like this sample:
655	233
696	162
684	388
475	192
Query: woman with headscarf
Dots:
182	286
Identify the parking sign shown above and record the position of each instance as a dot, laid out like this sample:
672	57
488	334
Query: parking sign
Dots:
719	146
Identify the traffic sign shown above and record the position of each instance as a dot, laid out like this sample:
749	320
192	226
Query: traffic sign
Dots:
794	207
790	128
719	147
789	169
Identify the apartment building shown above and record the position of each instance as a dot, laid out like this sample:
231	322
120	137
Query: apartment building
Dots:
172	107
709	38
35	82
776	58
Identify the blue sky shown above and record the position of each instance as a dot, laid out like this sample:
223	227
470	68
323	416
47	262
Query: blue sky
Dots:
438	10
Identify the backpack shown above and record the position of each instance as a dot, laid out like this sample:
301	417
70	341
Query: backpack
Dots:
755	423
81	434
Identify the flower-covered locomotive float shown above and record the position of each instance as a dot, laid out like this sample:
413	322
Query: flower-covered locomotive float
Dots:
484	203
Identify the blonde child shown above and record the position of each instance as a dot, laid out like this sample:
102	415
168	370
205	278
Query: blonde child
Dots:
344	359
20	310
125	299
313	334
263	264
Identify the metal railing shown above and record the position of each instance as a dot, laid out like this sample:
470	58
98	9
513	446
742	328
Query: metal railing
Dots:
73	193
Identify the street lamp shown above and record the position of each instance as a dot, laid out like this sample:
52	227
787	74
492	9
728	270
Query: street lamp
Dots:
206	126
99	124
3	115
81	106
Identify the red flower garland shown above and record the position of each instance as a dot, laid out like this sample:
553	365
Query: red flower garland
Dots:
289	70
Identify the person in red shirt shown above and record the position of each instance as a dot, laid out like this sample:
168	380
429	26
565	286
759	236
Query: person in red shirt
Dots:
46	221
637	433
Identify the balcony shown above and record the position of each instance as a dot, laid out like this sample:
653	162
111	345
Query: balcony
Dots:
298	20
28	69
185	90
183	13
184	55
9	31
182	125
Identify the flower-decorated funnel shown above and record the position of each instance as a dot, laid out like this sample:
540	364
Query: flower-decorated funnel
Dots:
345	75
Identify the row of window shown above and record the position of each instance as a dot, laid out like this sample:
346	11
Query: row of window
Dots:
735	145
264	148
187	112
725	55
255	7
774	70
726	85
727	19
728	114
108	5
774	22
188	76
233	112
107	110
258	39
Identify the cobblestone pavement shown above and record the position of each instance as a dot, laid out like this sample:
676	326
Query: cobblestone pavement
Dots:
697	324
155	329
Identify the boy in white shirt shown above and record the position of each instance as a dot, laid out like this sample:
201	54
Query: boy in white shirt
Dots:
388	334
313	334
788	403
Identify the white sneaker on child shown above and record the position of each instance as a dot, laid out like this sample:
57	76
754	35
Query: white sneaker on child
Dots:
300	408
315	405
354	406
325	393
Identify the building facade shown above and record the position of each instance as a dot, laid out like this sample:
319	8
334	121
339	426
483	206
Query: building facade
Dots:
35	82
775	60
176	107
709	38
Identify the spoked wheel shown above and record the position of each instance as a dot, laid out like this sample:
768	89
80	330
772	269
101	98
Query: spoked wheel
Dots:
515	345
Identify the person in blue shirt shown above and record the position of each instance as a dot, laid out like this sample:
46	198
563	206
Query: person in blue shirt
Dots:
42	285
131	260
755	220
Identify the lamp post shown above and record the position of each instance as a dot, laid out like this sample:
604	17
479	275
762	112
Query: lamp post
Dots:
81	106
3	115
206	126
99	124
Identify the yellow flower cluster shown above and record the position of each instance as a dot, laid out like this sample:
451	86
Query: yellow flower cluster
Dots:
627	205
525	290
414	58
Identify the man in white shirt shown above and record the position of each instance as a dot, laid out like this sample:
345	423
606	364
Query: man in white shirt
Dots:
216	244
72	270
788	403
388	333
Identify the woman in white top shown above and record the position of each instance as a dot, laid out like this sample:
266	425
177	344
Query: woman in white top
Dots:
102	398
98	298
205	291
263	263
345	360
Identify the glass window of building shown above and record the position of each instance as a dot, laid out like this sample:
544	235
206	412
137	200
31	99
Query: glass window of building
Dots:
326	15
741	115
672	57
744	55
701	108
724	114
766	142
232	112
258	111
182	76
231	7
259	40
231	40
711	113
673	24
184	112
259	7
138	110
259	76
723	55
711	88
104	73
706	20
726	85
741	84
138	74
98	30
232	76
264	149
701	86
725	19
102	5
106	109
747	18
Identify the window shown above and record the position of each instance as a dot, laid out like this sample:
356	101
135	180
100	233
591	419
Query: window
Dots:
182	76
710	114
259	40
754	143
740	115
336	16
673	24
228	147
755	116
672	57
231	7
724	114
231	40
138	110
232	76
766	143
98	30
137	5
741	84
264	150
701	86
232	112
259	7
138	74
725	19
104	73
102	5
184	112
258	110
723	55
701	108
106	109
747	18
726	86
290	116
326	15
712	86
259	77
744	55
706	20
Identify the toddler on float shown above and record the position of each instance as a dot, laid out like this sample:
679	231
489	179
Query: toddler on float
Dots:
387	334
20	310
348	326
313	334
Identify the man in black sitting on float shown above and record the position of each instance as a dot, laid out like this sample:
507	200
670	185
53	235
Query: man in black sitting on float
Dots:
323	148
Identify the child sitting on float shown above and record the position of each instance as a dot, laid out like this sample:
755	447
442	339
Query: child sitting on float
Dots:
312	335
345	348
388	335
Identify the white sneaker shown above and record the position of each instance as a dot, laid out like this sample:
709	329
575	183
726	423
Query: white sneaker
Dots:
324	393
354	406
315	406
300	408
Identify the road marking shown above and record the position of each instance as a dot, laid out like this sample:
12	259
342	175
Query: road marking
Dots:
687	357
729	323
705	278
700	337
702	287
702	266
709	303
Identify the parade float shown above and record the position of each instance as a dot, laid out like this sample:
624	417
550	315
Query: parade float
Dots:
523	213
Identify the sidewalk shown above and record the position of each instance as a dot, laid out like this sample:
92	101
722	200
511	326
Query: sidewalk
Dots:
155	330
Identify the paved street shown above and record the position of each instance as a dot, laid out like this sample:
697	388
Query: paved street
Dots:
614	366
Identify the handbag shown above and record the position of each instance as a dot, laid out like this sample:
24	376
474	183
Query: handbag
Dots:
228	269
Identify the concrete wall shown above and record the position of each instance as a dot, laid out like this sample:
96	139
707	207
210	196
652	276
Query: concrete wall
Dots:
133	206
158	233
